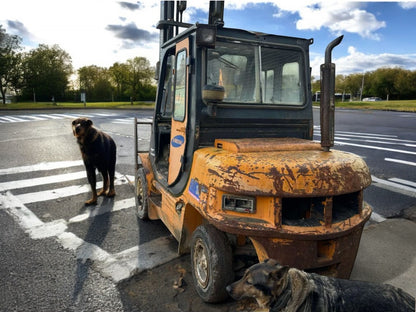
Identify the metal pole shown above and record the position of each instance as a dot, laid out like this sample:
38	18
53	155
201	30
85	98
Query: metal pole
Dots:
136	160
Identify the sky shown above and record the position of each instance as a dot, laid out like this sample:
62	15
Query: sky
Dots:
102	32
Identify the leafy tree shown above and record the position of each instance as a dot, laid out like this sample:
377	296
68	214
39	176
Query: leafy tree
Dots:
10	60
47	70
353	83
95	81
139	78
119	74
405	84
383	82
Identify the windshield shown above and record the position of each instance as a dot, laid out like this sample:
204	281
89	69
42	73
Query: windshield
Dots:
255	74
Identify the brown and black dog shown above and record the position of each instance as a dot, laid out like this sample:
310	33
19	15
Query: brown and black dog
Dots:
98	151
280	288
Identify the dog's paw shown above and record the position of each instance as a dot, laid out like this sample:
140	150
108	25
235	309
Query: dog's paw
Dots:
90	202
102	192
111	193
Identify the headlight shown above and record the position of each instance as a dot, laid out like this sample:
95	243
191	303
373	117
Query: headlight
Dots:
239	203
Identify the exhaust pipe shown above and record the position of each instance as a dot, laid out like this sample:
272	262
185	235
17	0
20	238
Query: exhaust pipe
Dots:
327	103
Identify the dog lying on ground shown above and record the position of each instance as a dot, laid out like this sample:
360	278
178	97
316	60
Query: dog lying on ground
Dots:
280	288
98	151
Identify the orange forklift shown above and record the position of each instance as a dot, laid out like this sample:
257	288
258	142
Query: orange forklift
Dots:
232	164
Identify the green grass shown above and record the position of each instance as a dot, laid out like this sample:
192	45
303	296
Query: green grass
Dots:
402	106
49	105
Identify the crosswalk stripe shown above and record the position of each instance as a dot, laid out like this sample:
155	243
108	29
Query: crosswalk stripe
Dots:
26	218
49	116
65	116
33	117
55	116
14	119
42	167
13	185
73	190
105	208
118	267
115	266
8	119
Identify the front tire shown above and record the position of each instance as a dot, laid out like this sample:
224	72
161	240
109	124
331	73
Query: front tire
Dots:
142	203
211	257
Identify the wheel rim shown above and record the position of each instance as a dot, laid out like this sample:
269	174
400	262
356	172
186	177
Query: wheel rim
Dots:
201	264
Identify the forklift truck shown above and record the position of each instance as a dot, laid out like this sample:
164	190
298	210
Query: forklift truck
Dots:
232	161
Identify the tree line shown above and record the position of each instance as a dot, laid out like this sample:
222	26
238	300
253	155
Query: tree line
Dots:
44	74
385	83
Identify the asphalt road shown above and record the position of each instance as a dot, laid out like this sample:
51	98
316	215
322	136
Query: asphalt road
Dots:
57	255
387	142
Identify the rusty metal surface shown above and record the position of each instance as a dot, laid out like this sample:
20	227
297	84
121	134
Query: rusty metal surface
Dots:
256	227
266	145
333	257
281	173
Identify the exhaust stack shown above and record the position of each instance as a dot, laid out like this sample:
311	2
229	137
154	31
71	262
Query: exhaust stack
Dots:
328	97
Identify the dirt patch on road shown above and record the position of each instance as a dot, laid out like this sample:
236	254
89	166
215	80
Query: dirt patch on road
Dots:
169	287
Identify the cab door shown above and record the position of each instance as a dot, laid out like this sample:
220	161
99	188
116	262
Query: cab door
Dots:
180	112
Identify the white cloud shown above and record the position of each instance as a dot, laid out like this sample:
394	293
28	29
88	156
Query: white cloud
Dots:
408	5
93	32
338	16
359	62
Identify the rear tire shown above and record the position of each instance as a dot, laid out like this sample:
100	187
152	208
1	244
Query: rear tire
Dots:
211	259
142	203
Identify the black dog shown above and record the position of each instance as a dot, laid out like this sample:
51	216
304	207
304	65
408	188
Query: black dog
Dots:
98	151
279	288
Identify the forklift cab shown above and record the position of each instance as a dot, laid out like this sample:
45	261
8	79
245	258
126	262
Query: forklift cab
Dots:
255	87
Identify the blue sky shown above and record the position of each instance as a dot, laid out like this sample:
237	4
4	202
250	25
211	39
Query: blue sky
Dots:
101	32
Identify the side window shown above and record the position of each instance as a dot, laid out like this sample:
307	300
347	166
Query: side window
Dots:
167	100
180	86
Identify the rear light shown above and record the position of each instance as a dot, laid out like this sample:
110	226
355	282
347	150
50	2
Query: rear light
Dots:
239	203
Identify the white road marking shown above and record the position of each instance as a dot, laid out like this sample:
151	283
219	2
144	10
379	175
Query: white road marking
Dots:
31	117
125	264
42	167
117	206
368	134
65	116
405	182
73	190
48	116
377	142
25	217
377	148
376	217
118	267
399	161
5	118
13	185
394	187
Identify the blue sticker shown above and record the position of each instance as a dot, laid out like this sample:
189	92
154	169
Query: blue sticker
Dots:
194	189
177	141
